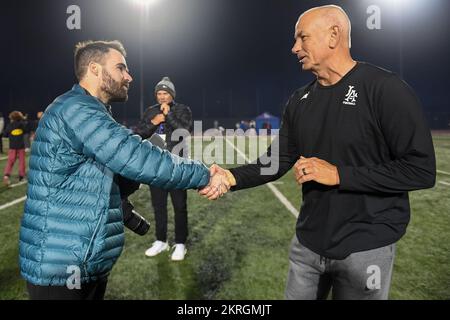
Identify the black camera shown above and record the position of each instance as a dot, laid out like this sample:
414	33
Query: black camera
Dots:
133	220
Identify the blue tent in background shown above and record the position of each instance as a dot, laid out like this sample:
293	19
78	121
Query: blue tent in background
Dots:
267	121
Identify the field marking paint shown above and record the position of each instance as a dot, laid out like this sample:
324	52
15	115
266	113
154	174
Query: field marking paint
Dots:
443	172
18	184
3	158
444	183
9	204
272	188
283	199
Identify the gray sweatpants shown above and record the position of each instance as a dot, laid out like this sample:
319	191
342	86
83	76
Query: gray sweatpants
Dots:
362	275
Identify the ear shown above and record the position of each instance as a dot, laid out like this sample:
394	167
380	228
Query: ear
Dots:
335	37
94	68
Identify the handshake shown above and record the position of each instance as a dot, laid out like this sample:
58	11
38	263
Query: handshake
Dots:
305	169
221	180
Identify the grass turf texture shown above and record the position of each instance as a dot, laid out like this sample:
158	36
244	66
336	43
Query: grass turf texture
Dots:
238	246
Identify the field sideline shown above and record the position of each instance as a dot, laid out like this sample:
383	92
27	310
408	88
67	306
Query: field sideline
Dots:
238	246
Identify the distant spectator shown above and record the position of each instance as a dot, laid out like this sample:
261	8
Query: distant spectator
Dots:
26	135
252	129
267	127
34	124
2	126
15	130
244	125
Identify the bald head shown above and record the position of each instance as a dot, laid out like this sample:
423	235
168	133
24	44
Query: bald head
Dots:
322	43
322	39
329	16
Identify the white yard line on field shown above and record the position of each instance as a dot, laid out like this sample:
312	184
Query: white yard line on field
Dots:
272	188
443	172
9	204
444	183
18	184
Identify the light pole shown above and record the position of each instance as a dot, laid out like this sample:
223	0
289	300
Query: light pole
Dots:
143	7
141	63
400	4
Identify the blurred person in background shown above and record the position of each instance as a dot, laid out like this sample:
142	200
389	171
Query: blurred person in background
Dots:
2	127
163	119
15	131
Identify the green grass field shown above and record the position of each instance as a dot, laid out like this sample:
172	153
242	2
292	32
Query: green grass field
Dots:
238	246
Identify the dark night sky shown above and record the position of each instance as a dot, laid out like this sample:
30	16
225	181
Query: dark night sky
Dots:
227	58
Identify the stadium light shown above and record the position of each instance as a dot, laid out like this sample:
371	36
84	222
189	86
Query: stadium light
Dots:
399	6
143	5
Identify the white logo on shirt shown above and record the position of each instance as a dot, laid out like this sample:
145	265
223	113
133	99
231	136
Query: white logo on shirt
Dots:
350	97
305	96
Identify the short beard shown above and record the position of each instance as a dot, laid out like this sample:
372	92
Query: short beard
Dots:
113	90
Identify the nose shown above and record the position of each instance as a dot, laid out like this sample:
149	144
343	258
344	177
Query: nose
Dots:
296	48
128	77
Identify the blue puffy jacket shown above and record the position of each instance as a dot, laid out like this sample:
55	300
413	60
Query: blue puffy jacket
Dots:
73	214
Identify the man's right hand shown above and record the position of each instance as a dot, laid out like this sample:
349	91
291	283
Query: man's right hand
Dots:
159	118
165	108
219	184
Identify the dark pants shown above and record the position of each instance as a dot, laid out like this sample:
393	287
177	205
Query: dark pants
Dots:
179	201
1	142
89	291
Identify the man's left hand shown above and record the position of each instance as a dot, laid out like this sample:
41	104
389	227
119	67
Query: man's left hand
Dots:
314	169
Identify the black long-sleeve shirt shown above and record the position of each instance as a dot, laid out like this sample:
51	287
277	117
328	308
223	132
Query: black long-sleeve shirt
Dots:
179	117
370	125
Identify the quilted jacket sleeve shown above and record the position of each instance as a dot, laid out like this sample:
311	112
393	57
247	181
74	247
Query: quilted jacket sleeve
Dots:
94	133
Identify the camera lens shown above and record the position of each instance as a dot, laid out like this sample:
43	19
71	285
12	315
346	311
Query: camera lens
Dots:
133	220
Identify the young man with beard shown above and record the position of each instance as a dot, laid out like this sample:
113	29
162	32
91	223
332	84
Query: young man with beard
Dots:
358	142
72	231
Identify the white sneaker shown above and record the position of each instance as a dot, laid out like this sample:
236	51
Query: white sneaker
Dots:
179	252
156	248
